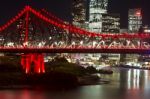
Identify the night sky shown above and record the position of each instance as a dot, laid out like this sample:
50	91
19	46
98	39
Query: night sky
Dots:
61	8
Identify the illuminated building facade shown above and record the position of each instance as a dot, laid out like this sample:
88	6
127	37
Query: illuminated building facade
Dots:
96	9
146	29
79	12
134	20
111	23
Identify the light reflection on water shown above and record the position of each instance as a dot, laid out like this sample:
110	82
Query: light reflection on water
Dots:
125	84
21	94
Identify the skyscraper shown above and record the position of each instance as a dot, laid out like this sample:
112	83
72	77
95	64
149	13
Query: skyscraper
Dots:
134	20
79	12
111	23
96	9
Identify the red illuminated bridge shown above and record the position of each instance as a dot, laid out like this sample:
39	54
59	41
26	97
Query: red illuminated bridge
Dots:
38	31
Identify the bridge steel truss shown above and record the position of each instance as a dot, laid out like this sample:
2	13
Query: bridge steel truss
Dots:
38	31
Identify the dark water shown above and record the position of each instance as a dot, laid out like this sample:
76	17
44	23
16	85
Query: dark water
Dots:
125	84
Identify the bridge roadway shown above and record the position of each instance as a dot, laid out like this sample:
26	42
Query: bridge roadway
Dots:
74	50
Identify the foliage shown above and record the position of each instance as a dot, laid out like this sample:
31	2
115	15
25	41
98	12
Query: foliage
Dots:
91	69
10	64
60	64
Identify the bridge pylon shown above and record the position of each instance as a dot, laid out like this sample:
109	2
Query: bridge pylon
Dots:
33	63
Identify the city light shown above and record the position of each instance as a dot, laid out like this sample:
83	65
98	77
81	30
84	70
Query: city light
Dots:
88	50
138	13
81	39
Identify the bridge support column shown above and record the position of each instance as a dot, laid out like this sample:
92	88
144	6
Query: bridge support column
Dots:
33	63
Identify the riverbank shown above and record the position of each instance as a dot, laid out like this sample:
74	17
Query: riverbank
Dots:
133	67
59	73
49	80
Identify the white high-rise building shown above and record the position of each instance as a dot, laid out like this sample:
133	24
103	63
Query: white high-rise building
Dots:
96	9
134	20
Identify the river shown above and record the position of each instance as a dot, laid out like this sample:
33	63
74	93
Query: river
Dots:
124	84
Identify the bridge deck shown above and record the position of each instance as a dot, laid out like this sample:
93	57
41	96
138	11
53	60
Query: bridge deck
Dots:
64	50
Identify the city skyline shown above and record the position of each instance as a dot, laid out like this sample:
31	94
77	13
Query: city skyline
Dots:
60	9
62	49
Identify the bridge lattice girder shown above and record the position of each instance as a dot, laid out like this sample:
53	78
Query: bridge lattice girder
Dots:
39	29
